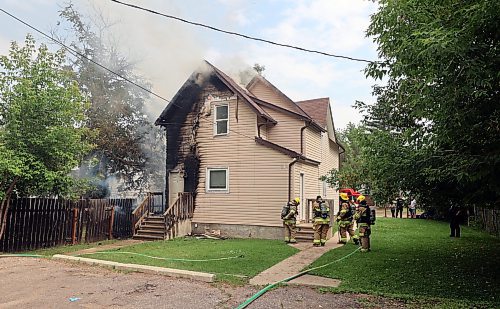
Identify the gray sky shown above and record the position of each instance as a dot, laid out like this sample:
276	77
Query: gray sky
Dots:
167	51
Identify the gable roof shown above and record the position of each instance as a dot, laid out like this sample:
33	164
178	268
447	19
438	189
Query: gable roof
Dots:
192	87
231	84
291	105
317	109
285	151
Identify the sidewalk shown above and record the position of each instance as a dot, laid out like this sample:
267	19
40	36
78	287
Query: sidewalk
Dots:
115	245
296	263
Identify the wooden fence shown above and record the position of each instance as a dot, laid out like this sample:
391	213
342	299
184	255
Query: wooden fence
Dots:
488	219
34	223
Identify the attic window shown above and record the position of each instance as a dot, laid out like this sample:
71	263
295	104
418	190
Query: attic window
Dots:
221	121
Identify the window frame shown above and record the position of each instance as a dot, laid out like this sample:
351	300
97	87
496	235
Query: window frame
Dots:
216	190
216	121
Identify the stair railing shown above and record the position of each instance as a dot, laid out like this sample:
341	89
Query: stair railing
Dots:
182	209
141	212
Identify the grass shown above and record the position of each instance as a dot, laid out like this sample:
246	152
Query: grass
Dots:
417	260
69	248
256	256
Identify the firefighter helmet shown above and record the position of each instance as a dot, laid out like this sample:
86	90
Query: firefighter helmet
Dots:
296	200
360	198
344	196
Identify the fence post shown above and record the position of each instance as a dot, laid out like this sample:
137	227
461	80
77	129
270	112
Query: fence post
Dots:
111	221
75	221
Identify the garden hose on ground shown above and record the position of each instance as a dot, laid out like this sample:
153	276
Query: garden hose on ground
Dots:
267	288
22	255
166	259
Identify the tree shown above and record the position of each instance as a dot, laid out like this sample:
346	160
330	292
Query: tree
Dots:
42	119
440	104
125	135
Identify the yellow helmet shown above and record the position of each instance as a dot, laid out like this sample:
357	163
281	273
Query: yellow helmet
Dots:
296	200
344	196
360	198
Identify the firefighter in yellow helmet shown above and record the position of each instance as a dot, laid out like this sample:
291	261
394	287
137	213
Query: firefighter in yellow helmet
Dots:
288	215
321	223
364	220
344	218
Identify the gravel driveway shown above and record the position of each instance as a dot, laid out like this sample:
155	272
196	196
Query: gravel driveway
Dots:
41	283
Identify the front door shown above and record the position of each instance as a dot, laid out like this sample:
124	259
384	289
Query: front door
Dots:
175	185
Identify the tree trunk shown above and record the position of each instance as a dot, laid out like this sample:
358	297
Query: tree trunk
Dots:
4	207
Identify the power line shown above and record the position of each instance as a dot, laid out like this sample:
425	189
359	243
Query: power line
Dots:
241	35
77	53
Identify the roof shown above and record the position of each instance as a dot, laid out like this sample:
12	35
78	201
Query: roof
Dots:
317	109
192	87
300	116
286	151
231	84
293	106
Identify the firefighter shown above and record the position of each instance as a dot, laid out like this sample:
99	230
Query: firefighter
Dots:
363	218
289	220
344	218
321	224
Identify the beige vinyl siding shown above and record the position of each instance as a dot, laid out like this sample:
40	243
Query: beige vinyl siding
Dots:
258	176
312	144
265	93
330	159
312	186
287	132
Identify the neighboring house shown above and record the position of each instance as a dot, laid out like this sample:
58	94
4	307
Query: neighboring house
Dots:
244	152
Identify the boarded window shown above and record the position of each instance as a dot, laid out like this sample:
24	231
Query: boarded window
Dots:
221	119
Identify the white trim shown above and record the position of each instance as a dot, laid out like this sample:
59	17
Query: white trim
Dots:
207	183
216	105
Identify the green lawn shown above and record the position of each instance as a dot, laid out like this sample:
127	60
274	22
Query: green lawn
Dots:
69	248
256	256
417	259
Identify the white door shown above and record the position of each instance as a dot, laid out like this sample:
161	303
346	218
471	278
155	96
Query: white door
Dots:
303	203
175	185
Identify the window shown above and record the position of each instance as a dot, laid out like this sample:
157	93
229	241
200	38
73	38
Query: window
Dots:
217	180
221	122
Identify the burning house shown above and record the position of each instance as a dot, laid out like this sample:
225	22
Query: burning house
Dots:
242	152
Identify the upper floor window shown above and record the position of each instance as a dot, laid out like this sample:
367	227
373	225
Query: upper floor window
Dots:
221	123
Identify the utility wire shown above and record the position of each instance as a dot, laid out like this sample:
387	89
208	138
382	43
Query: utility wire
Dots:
242	35
78	54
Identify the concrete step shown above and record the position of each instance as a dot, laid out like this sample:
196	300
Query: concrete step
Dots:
302	238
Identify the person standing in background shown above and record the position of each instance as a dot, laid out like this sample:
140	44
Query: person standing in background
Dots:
399	207
413	208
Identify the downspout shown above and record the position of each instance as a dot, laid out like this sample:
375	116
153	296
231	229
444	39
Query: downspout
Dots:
167	173
302	137
340	152
290	178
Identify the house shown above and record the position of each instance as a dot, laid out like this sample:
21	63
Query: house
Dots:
242	152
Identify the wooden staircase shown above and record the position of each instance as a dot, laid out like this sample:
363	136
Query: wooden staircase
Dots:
305	233
149	226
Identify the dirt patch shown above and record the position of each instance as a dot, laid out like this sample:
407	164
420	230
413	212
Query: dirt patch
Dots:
41	283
